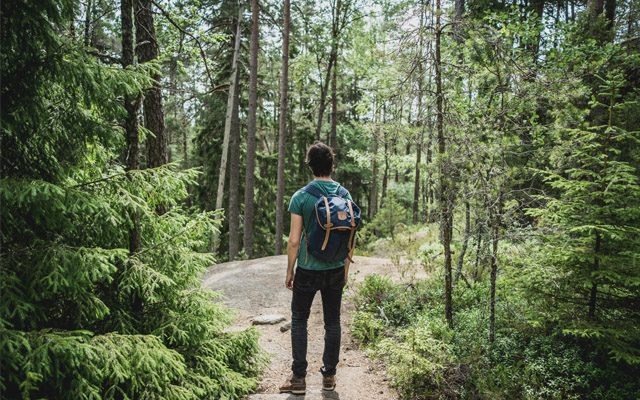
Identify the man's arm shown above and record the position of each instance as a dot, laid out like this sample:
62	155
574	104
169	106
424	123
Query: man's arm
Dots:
292	248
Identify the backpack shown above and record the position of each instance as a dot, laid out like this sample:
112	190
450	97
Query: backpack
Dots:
332	232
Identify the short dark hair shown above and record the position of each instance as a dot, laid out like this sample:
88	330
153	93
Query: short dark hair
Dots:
320	159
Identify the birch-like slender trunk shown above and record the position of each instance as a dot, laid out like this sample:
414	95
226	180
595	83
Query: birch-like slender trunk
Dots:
229	115
284	82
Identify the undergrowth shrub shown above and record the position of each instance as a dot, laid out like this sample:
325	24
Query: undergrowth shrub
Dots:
403	325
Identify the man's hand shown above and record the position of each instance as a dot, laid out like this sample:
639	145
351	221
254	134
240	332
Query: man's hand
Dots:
288	283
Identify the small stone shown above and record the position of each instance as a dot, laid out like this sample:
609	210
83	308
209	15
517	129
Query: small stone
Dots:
285	327
268	319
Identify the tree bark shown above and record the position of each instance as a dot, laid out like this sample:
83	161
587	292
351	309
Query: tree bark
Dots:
494	273
538	9
465	241
147	50
593	293
457	19
233	217
446	217
249	184
131	105
323	96
610	13
229	114
385	175
595	8
419	122
416	182
284	81
333	138
476	277
373	196
87	22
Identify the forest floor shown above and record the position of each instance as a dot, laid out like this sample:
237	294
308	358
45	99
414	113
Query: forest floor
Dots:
256	287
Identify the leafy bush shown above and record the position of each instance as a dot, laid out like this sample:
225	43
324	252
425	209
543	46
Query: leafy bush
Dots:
426	359
420	365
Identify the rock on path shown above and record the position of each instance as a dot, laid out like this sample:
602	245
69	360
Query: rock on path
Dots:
256	288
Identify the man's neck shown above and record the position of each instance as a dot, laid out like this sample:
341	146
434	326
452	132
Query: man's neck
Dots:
322	178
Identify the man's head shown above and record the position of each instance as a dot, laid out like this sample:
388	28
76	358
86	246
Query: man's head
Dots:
320	159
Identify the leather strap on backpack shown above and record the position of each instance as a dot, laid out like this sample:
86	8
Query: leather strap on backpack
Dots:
351	243
328	225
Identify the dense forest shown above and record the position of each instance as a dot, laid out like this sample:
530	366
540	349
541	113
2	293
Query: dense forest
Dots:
493	144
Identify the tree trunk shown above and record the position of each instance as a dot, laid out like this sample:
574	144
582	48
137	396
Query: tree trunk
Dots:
131	105
419	123
416	182
457	19
465	241
476	276
251	130
593	294
595	8
385	175
323	96
229	114
147	50
610	13
233	217
373	195
87	22
538	9
429	214
494	273
284	81
185	146
446	217
333	138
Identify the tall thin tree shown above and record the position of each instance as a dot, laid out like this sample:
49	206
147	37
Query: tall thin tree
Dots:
446	214
249	186
333	137
229	114
284	82
131	105
233	214
373	195
419	122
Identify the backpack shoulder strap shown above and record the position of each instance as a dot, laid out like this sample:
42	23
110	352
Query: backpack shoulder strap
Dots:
342	192
313	190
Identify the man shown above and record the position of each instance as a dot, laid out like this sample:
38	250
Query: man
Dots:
313	275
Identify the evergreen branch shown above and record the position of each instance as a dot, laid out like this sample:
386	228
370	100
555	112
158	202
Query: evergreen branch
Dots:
184	31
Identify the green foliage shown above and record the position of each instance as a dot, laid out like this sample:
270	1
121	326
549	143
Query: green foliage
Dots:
592	223
82	316
426	359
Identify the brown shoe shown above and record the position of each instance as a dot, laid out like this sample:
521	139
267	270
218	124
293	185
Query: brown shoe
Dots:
329	383
294	385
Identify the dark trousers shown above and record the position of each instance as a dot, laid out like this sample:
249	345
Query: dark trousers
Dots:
305	285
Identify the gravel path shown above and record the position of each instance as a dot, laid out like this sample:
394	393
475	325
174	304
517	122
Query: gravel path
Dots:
256	287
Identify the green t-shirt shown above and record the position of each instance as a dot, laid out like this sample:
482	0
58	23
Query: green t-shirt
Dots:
302	203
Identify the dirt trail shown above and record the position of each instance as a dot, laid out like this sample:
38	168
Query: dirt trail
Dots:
256	287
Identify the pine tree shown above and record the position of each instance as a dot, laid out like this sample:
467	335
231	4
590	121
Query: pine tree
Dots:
593	223
81	316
